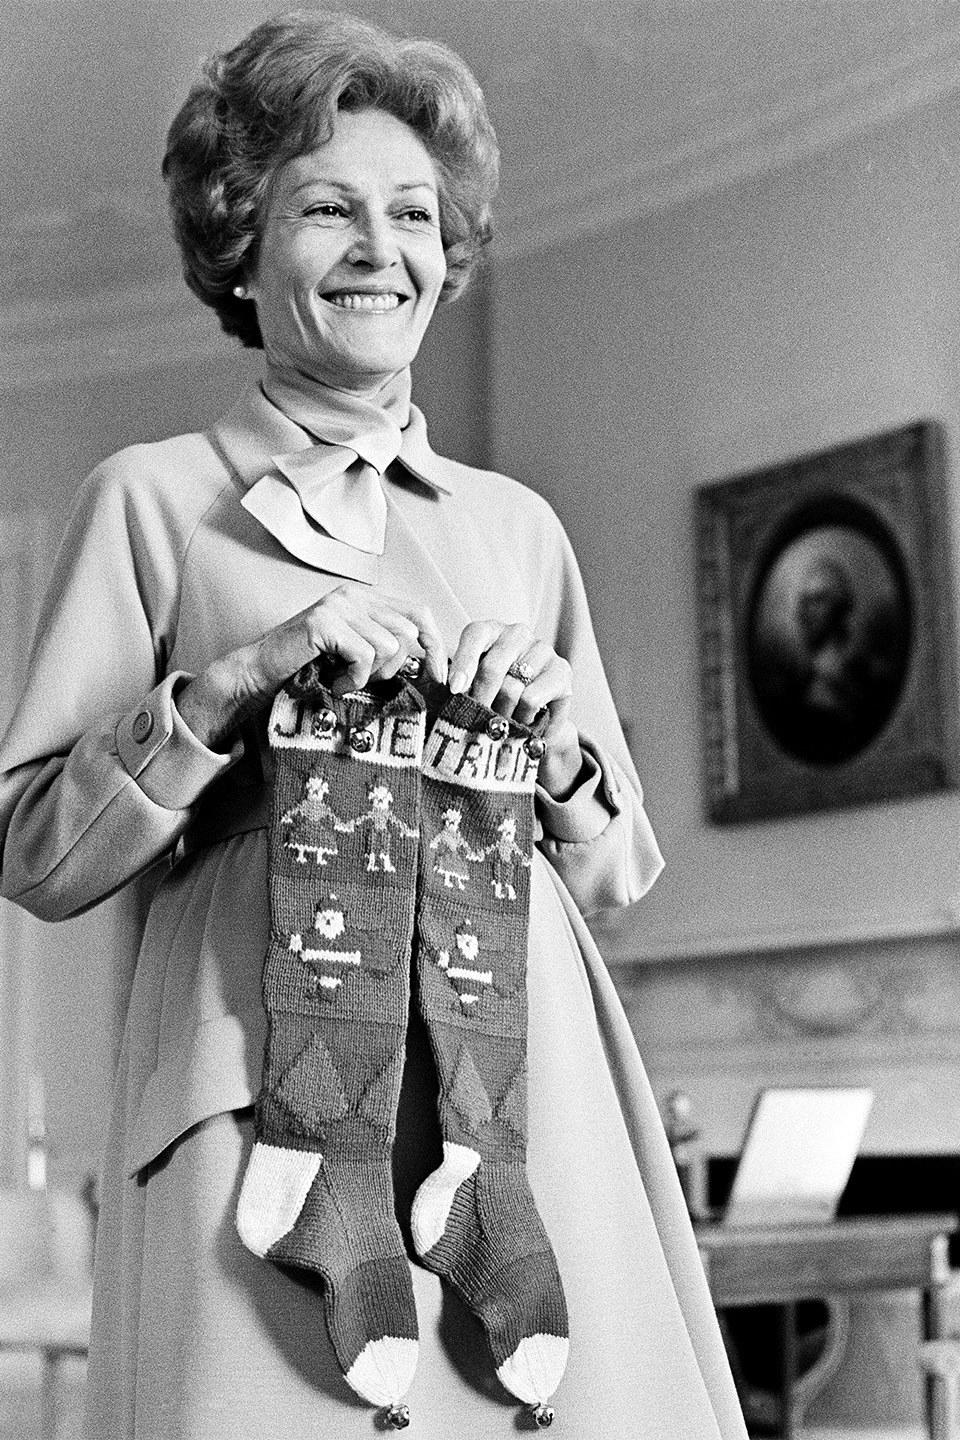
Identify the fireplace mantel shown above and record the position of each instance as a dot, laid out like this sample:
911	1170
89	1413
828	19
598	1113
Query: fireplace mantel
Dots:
724	1023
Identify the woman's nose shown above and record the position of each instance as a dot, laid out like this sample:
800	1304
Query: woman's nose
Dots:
374	244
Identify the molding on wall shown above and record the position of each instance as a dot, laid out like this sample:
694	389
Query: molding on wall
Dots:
800	1061
771	139
833	933
135	327
903	992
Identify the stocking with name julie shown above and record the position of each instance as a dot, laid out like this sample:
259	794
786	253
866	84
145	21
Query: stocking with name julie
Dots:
317	1194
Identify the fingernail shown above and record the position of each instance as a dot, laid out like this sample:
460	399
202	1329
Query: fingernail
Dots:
457	682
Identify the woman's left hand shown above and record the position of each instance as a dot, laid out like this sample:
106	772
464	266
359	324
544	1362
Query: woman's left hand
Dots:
485	665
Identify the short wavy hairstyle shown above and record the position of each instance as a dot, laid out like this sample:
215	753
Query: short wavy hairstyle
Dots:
275	96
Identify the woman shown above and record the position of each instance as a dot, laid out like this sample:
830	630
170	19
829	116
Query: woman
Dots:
230	606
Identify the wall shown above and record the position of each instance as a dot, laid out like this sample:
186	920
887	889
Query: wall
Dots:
792	311
775	317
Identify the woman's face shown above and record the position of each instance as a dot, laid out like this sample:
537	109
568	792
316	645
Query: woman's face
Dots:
351	263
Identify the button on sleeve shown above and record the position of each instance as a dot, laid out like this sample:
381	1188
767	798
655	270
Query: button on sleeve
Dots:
142	727
161	752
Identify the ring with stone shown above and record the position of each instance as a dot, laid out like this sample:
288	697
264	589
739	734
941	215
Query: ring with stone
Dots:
521	672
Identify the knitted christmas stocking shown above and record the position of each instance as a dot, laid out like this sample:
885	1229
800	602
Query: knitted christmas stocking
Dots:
318	1192
474	1220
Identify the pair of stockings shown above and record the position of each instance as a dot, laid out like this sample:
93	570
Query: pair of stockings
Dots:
390	839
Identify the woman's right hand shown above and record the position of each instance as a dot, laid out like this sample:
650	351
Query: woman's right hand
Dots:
372	634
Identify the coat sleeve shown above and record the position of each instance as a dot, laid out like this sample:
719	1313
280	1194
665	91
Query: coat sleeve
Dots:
599	840
98	773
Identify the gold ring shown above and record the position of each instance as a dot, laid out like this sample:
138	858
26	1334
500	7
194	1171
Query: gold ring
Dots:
521	672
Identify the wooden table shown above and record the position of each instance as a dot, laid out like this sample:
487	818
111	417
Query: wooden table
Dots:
781	1265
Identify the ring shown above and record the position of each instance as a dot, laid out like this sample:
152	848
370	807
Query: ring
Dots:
521	672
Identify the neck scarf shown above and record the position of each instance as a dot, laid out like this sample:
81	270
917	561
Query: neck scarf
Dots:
325	502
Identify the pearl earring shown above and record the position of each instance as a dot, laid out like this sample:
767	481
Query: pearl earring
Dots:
240	291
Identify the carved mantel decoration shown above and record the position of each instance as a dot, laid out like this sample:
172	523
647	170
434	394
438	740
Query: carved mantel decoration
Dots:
879	1011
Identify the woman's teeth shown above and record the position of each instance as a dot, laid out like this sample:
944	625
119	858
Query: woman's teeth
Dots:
347	301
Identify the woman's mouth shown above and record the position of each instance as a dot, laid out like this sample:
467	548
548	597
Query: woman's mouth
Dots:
376	302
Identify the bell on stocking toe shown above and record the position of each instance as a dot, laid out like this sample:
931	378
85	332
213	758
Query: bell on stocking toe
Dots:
542	1416
398	1417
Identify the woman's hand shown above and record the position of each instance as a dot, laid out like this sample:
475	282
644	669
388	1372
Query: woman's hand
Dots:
372	634
481	665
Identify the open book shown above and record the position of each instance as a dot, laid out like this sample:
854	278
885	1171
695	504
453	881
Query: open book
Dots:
797	1156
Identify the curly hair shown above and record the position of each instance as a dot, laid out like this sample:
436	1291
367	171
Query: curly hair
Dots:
275	96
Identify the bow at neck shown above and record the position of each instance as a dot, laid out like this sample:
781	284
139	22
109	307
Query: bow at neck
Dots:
335	483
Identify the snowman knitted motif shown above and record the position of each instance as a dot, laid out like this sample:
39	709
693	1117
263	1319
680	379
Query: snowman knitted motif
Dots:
378	841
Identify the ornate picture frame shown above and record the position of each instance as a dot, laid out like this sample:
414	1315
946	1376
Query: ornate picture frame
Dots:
825	607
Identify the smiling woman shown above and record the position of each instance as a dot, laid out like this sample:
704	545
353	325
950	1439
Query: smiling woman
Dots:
350	262
347	693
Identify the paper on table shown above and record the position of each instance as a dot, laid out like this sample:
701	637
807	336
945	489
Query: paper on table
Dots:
797	1157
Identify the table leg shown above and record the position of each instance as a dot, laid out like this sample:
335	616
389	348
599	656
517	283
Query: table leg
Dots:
788	1368
930	1329
49	1394
935	1292
938	1397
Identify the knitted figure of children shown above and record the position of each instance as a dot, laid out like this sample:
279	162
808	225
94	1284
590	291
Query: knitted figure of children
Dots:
449	845
314	820
507	855
381	824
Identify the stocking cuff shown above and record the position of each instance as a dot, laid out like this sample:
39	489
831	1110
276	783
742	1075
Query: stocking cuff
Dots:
472	746
382	725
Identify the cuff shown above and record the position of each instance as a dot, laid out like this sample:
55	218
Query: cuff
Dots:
158	749
587	812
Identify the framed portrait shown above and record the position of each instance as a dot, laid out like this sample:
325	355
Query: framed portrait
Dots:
827	654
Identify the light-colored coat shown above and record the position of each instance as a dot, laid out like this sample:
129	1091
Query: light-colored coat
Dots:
163	570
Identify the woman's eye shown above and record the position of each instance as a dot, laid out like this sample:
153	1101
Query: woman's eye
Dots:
326	208
418	216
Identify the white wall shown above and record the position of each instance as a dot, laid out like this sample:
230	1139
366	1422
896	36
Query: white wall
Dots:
777	317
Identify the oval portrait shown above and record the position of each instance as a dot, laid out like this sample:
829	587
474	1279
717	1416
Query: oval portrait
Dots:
828	639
